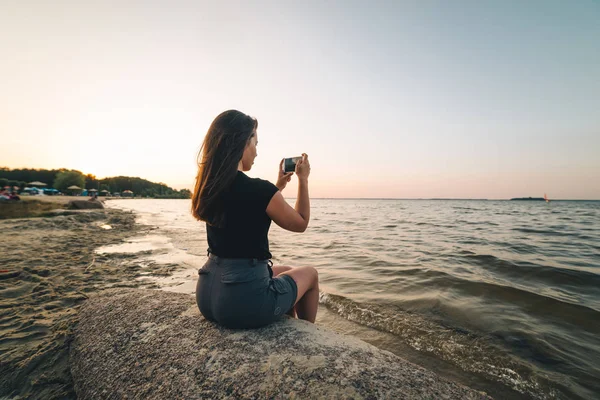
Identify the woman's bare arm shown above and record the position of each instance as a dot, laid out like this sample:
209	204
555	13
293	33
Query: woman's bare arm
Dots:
285	216
293	219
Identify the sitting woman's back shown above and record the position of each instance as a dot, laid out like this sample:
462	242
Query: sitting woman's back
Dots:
245	230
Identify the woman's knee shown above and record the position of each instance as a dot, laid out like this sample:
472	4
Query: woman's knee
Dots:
306	278
313	274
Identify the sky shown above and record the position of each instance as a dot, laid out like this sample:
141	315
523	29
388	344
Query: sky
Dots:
398	99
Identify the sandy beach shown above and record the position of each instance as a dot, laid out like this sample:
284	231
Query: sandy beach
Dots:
48	269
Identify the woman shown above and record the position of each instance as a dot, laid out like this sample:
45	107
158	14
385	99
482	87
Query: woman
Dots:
238	287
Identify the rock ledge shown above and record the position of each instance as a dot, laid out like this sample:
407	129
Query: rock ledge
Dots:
133	343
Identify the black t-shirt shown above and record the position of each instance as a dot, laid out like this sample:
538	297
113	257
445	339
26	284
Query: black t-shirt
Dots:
244	234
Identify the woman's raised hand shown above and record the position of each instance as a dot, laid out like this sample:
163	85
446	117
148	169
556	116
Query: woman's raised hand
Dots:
303	167
283	178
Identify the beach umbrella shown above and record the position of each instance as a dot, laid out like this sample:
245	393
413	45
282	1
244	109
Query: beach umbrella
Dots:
75	188
37	183
92	190
104	191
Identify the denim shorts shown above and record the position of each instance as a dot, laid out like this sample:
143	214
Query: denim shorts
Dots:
242	293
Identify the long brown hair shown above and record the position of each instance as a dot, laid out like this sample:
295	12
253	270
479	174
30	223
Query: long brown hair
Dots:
218	160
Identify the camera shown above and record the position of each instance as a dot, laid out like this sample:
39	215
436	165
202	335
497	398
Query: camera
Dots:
289	164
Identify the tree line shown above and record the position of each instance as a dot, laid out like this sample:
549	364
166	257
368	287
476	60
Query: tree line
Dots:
61	179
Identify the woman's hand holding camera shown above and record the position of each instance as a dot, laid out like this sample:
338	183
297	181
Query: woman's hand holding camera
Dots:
303	168
302	171
283	178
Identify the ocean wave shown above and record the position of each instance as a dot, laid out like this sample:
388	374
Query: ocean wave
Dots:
551	232
486	223
531	271
433	225
460	347
549	304
334	245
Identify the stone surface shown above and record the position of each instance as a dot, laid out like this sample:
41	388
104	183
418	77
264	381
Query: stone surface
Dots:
133	343
84	204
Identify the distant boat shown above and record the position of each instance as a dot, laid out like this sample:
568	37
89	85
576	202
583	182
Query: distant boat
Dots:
546	198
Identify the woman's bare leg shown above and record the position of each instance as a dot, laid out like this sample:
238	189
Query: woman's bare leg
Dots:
277	269
307	301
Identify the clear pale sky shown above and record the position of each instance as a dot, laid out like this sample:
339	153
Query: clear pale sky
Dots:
469	99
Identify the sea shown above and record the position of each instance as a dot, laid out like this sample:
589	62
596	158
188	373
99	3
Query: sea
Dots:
502	296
